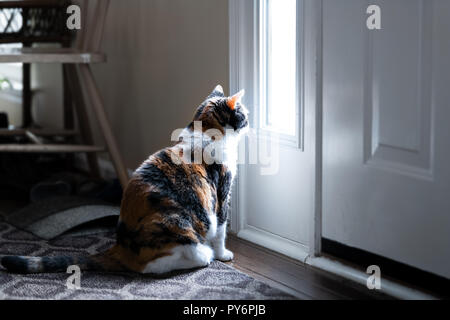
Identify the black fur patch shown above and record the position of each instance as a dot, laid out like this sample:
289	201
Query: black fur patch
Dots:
223	194
221	180
56	264
15	264
238	120
127	238
158	238
19	264
177	188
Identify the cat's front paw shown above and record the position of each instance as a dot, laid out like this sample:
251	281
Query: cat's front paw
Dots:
224	255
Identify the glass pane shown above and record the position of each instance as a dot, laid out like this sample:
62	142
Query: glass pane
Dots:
281	66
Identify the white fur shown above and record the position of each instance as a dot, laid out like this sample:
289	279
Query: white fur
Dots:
193	256
218	244
182	257
197	136
230	150
228	145
212	231
218	88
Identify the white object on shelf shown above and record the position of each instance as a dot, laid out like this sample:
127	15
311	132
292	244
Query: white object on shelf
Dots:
11	103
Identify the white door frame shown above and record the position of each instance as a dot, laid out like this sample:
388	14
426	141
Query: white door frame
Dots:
244	73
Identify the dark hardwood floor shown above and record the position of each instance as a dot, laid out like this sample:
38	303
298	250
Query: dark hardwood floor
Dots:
294	277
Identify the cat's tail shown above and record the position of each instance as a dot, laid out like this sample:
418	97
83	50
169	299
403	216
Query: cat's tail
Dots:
105	261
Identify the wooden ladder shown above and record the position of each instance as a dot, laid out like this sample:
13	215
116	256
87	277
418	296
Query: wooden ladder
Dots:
83	91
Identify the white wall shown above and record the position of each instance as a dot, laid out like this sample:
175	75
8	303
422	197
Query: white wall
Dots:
164	58
47	104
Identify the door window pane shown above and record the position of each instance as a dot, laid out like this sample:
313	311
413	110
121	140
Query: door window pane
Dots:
280	112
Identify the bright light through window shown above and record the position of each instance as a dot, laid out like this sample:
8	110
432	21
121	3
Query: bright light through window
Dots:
280	59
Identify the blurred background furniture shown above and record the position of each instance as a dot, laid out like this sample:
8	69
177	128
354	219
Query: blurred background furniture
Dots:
34	21
45	21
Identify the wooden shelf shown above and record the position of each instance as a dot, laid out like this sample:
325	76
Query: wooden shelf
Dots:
49	148
29	3
49	55
38	132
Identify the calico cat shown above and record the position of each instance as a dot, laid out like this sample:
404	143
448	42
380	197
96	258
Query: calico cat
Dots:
174	210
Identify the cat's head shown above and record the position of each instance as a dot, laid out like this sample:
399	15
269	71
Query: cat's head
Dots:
222	113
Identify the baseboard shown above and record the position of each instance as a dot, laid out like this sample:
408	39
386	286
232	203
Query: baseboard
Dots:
273	242
397	270
388	287
342	268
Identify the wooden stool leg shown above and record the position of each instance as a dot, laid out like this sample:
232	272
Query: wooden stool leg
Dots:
73	86
69	123
26	96
93	92
68	103
27	118
68	120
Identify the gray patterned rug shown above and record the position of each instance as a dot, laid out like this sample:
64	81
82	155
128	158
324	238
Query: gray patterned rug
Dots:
218	281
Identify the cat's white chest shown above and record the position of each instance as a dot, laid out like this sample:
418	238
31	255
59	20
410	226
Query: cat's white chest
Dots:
230	151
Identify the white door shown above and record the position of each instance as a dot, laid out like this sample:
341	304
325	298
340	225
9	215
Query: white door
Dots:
386	100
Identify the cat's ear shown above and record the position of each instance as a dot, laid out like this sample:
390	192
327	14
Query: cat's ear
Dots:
232	101
217	92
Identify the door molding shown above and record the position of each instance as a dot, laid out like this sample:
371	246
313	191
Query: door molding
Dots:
244	73
416	158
